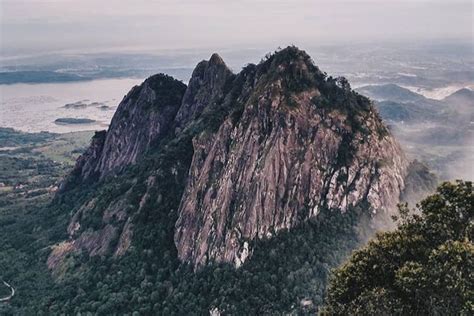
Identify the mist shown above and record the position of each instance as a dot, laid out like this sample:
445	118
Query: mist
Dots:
32	26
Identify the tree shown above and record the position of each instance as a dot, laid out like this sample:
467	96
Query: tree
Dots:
424	267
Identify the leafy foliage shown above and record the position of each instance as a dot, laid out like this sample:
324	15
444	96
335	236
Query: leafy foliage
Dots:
424	267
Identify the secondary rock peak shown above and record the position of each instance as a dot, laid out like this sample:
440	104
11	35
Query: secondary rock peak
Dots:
216	60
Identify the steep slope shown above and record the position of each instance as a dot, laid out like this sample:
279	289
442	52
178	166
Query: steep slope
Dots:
302	143
143	125
205	88
233	159
390	92
145	114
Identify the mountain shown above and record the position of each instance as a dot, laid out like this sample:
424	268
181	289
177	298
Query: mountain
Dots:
436	132
462	99
397	104
281	160
409	112
39	76
142	117
278	164
390	92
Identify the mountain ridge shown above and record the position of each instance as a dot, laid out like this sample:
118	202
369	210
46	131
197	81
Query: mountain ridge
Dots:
228	211
235	123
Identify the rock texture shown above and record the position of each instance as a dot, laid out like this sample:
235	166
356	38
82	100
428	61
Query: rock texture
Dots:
87	163
100	232
288	156
145	114
206	87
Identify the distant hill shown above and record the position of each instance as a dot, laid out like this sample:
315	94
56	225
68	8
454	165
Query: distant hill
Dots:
406	112
390	92
38	77
398	104
52	76
463	98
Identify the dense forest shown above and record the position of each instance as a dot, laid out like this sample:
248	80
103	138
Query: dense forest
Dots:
424	267
286	273
429	256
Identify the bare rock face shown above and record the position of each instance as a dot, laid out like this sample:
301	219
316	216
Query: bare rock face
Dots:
109	232
206	87
303	142
145	114
86	164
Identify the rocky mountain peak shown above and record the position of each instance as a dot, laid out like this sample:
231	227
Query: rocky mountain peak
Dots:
216	60
206	87
145	114
302	142
266	150
290	63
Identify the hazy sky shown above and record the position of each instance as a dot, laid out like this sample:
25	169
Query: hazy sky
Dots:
83	25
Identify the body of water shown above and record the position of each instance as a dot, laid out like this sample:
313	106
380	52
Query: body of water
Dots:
35	107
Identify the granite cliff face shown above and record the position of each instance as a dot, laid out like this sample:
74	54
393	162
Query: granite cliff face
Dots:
144	115
86	164
205	88
271	147
303	142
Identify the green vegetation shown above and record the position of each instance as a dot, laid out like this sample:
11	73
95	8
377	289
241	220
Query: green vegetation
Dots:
35	165
286	273
28	177
4	290
423	268
168	91
294	66
11	138
65	148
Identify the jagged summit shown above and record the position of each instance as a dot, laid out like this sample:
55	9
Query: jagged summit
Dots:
216	60
249	155
296	142
145	114
291	61
206	86
288	56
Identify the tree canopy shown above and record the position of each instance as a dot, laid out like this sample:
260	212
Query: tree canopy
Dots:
425	267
